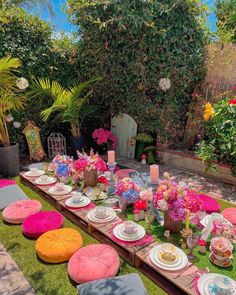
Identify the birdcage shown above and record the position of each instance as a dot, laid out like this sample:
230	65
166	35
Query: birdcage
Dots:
56	145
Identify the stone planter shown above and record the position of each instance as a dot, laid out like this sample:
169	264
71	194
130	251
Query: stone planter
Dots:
9	160
90	178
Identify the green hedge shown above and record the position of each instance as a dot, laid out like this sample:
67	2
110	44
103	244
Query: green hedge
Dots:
133	44
29	38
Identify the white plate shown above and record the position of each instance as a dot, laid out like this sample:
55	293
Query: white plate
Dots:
207	279
180	263
91	216
67	189
34	174
50	180
84	202
118	233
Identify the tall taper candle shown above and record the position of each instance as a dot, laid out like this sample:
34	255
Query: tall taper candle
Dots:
187	220
154	173
111	157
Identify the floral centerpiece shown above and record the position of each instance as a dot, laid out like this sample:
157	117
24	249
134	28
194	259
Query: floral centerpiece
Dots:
61	166
89	165
104	138
224	228
174	199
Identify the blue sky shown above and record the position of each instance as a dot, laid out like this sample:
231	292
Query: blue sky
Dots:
60	21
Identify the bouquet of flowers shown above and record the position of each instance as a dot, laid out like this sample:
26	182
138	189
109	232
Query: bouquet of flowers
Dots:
127	189
89	162
61	165
104	137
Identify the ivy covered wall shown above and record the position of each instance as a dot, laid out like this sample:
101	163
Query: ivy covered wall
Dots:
135	44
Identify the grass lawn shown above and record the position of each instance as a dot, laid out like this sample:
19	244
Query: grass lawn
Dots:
50	279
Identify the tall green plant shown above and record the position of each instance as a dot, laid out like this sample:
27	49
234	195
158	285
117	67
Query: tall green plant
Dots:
67	102
11	97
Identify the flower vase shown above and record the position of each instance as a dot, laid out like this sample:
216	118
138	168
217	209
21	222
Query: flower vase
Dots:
170	224
90	178
123	204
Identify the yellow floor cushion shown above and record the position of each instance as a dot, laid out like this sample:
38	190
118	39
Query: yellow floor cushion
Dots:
58	245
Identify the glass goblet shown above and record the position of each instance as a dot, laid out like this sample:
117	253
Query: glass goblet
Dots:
192	242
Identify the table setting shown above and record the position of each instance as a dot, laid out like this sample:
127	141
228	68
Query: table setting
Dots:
45	180
34	172
60	189
101	214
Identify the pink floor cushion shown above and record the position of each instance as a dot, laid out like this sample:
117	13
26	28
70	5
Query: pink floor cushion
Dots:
39	223
122	173
93	262
6	182
18	211
210	205
230	215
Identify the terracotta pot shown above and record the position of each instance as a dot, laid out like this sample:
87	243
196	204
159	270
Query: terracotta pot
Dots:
170	224
90	178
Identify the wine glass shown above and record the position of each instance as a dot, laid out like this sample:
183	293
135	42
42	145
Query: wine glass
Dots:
192	242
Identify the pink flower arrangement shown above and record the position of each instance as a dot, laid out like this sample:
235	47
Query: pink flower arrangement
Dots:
60	159
232	101
125	185
103	136
89	162
146	195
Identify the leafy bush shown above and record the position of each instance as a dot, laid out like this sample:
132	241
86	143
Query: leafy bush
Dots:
219	144
134	45
30	39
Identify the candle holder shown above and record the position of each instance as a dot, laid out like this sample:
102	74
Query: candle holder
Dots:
111	188
184	235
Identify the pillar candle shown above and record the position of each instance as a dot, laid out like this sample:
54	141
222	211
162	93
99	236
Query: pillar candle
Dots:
154	172
111	157
187	220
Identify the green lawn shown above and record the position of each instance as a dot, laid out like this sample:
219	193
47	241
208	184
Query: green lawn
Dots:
50	279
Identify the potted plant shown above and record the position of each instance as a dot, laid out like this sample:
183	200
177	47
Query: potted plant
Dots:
142	140
105	139
12	98
67	103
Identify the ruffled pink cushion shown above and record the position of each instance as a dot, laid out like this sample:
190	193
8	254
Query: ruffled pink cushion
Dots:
230	215
18	211
209	204
122	173
39	223
93	262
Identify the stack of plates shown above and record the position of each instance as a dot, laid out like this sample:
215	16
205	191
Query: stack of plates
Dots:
119	233
50	180
34	173
54	191
92	216
180	263
207	280
84	201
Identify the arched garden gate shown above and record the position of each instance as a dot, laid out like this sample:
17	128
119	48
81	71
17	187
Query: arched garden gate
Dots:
125	128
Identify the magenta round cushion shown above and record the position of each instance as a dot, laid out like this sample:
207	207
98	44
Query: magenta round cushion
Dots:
39	223
209	204
18	211
230	215
93	262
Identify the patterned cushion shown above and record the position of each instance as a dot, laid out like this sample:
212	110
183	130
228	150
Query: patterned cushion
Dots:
93	262
58	245
18	211
39	223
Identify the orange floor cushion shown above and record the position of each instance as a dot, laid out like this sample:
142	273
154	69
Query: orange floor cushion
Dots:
58	245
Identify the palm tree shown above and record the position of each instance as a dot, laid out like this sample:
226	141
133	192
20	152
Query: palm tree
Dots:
67	102
11	98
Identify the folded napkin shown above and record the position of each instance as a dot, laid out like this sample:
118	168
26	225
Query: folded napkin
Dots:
196	278
89	206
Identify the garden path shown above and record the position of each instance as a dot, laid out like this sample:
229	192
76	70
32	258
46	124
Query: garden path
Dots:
202	183
12	280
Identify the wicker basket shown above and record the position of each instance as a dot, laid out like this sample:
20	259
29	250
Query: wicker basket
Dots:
90	178
171	225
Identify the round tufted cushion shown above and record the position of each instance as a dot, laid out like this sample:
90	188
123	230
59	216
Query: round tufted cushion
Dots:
58	245
39	223
230	215
93	262
18	211
209	204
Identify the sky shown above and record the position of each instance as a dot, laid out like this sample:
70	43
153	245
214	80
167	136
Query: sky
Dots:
61	23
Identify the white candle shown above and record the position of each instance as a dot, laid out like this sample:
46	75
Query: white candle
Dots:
111	157
154	173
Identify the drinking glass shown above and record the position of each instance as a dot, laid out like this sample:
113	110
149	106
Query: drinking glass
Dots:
192	242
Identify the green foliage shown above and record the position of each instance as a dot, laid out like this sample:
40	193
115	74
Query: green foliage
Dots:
226	20
219	144
30	39
143	137
133	44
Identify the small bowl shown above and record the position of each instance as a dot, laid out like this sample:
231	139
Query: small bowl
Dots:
101	212
223	285
111	202
43	178
33	170
130	227
76	197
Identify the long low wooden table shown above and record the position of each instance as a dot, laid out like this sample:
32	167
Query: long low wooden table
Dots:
135	255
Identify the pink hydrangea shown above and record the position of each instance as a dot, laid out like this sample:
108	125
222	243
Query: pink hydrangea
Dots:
89	162
103	136
192	201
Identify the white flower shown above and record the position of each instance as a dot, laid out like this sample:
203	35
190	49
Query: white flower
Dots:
16	124
22	83
9	118
164	84
162	205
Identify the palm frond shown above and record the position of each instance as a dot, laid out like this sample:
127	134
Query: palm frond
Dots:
76	90
8	68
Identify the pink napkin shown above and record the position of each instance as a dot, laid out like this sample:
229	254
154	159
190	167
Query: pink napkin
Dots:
90	206
196	280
